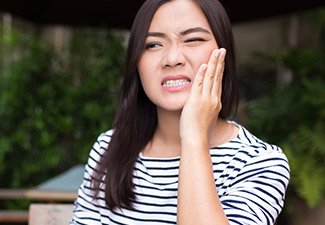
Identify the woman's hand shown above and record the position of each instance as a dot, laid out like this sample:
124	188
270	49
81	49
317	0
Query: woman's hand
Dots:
204	101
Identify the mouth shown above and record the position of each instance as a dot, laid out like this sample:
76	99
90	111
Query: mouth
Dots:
173	81
176	82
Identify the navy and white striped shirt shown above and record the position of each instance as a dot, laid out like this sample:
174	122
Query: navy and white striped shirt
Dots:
251	178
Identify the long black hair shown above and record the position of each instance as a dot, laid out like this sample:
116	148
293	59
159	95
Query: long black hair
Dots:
136	116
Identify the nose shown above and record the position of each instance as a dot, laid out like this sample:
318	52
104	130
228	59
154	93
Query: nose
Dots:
173	56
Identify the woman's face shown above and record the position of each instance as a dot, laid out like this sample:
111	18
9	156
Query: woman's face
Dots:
179	40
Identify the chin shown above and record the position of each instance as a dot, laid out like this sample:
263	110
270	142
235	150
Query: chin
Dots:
172	104
171	107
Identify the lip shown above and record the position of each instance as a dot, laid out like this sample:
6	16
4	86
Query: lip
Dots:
176	88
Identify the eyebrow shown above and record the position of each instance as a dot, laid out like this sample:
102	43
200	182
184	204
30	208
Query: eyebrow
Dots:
183	33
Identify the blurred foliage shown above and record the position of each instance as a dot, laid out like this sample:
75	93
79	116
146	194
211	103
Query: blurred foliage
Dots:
54	103
293	116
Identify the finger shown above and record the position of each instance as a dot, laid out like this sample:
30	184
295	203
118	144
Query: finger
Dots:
217	83
210	72
198	79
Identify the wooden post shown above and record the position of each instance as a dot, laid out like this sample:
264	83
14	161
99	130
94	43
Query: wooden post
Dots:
50	214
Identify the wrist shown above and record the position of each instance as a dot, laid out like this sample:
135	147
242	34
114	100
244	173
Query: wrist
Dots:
196	143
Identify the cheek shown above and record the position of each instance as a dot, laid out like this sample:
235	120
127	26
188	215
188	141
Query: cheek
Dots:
147	65
149	68
143	70
141	66
144	81
201	57
206	53
145	74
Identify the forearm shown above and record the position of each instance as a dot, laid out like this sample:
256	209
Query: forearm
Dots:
198	201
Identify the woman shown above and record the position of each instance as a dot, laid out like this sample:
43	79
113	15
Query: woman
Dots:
173	157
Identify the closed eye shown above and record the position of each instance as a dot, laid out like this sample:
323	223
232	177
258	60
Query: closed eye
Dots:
195	40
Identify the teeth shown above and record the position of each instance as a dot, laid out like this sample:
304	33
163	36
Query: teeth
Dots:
175	83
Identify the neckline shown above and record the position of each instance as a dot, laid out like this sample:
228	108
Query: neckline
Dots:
141	156
240	130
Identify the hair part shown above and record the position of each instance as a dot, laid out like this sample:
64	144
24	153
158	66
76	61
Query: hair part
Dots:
136	117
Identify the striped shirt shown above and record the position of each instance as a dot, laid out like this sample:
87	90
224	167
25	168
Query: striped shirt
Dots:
251	178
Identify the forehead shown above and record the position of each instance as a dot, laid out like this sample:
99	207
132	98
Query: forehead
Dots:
178	15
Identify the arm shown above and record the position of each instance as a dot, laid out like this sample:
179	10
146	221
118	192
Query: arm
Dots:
198	201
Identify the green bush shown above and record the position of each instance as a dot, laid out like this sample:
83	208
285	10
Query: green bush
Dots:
293	116
52	110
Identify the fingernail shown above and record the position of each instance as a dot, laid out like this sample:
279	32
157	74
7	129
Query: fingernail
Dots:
204	66
222	51
216	53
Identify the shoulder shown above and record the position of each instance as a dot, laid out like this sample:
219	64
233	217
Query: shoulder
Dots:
105	137
99	147
102	142
260	155
254	145
248	151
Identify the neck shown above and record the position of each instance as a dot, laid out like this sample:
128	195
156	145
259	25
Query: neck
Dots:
166	141
168	127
